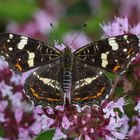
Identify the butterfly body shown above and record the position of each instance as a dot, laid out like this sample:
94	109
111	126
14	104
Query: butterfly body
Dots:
79	74
67	66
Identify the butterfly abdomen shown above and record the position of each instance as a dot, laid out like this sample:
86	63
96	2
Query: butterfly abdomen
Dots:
66	81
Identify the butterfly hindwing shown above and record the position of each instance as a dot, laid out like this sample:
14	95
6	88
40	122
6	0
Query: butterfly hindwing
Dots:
23	53
44	85
113	54
90	85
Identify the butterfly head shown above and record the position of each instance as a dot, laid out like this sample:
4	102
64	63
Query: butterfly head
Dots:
67	49
67	58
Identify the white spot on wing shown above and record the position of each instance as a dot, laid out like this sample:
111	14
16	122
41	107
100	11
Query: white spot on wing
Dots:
125	50
10	36
100	73
22	42
104	59
89	80
96	47
31	58
85	81
93	60
10	48
7	55
125	37
48	81
139	40
113	43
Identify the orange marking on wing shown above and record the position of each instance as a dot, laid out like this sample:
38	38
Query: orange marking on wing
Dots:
51	99
18	66
84	98
116	68
77	99
35	94
129	52
94	96
101	92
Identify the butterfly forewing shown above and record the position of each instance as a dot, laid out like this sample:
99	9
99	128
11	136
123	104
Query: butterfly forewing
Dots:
113	54
23	53
90	85
44	86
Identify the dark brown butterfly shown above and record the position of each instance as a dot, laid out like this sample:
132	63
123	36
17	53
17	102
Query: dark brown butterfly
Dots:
61	72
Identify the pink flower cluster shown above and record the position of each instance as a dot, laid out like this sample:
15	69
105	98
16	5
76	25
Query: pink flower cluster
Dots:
16	117
134	133
89	123
120	26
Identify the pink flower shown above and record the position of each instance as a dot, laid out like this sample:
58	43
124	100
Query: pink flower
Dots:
113	125
16	79
117	27
59	135
3	105
5	89
137	60
109	110
129	8
120	103
136	29
16	99
137	107
42	122
59	46
43	21
134	133
24	134
137	73
36	127
73	41
120	26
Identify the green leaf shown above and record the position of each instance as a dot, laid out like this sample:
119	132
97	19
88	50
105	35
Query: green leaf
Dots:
111	75
119	91
46	135
129	108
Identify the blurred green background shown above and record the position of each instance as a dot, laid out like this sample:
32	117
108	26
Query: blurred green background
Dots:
76	13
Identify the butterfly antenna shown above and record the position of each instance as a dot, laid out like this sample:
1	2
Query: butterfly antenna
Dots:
84	25
52	26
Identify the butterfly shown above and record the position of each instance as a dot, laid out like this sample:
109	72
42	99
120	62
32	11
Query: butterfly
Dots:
77	76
